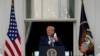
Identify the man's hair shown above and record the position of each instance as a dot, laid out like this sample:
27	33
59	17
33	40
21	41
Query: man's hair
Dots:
50	27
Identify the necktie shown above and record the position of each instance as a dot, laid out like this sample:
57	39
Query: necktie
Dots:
52	44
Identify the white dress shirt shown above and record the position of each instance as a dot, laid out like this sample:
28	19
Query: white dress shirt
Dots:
50	41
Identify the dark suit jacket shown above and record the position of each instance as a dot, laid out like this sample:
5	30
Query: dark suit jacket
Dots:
44	41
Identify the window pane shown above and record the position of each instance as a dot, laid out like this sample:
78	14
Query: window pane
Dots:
71	8
50	9
28	8
64	9
36	8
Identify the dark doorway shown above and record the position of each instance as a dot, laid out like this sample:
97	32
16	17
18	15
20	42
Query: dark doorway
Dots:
63	29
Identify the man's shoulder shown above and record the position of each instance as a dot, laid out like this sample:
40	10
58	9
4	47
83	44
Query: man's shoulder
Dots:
44	36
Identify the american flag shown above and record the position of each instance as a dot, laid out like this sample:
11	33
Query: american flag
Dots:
86	42
13	40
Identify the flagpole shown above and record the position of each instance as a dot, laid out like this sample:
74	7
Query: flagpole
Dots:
12	3
82	0
84	54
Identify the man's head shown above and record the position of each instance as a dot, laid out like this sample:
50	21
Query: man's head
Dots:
50	30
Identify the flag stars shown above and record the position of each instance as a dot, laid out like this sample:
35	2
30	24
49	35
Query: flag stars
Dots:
12	8
12	19
13	23
9	34
13	12
12	38
10	27
12	16
12	35
10	31
13	27
10	23
15	31
15	35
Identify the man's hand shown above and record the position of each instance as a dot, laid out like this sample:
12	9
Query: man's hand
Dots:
55	37
53	41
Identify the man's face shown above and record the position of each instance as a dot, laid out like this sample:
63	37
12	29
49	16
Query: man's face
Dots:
50	31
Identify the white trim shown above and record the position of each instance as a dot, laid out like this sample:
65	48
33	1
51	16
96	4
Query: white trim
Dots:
23	37
75	39
27	32
59	20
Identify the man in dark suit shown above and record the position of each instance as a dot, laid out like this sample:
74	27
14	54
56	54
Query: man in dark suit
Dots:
51	38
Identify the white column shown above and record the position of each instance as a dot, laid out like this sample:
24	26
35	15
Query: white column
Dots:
76	31
3	21
97	25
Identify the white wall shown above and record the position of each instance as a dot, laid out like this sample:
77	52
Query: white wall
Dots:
97	43
2	22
